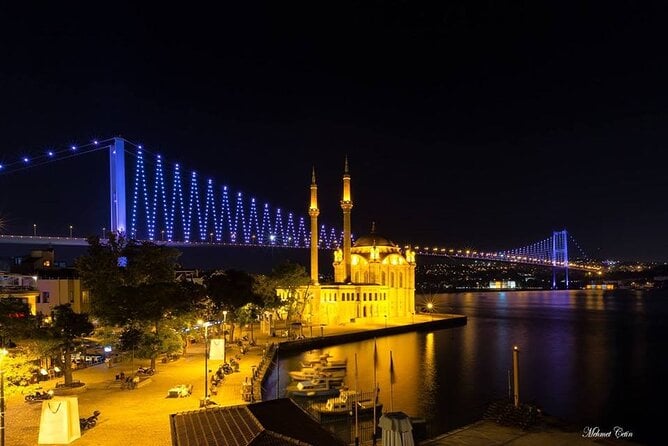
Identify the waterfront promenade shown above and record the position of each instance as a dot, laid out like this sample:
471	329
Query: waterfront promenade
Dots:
141	416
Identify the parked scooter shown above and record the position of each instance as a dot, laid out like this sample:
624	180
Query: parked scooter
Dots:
87	423
145	370
39	396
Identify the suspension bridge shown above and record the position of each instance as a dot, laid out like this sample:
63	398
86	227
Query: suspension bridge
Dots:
164	203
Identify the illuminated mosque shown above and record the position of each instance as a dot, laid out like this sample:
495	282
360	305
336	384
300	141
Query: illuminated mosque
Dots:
373	279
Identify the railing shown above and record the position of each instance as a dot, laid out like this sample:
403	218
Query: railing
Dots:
260	373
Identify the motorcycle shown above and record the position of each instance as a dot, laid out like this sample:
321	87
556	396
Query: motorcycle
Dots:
145	370
88	423
39	396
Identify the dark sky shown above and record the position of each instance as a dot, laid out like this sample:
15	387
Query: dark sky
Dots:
466	124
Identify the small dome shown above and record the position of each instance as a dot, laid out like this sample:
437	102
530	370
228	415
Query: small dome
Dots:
373	240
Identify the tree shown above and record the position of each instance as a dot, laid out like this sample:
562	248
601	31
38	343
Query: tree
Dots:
19	368
15	320
143	290
247	315
291	276
230	290
68	326
100	272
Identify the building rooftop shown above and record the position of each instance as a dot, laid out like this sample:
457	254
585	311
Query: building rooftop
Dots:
269	423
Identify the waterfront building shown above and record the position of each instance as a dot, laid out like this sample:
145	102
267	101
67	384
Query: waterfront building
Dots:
374	279
20	287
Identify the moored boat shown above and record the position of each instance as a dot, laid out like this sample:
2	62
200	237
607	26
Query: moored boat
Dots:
345	405
315	387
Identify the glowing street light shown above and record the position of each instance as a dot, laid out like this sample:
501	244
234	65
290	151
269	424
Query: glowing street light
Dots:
224	336
71	227
430	307
206	358
3	353
34	229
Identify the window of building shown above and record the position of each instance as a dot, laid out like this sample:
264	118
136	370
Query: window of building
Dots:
45	297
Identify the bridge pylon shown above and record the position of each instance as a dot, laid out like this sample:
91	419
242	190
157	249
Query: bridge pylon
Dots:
117	186
559	255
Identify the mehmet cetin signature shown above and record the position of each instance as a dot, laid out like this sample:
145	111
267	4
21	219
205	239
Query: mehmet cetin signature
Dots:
596	432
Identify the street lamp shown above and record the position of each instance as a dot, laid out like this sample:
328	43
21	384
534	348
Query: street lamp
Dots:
104	232
34	229
224	335
70	231
206	358
386	321
430	307
3	353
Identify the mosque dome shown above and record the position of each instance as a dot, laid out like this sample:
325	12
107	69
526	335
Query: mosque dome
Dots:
373	239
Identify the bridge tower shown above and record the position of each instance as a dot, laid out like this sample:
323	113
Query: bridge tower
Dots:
559	255
117	185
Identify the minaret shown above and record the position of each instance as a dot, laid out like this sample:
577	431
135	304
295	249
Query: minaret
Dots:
346	205
313	211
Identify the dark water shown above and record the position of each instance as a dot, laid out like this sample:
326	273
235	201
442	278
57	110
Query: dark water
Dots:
591	358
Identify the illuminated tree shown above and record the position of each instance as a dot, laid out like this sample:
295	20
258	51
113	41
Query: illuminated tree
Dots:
133	285
230	290
67	327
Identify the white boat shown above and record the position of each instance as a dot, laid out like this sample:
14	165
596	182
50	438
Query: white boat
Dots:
319	371
323	360
315	387
344	406
320	366
310	373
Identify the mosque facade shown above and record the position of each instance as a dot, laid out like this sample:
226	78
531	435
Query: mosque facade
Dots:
374	279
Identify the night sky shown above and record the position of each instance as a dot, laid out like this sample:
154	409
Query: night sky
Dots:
466	124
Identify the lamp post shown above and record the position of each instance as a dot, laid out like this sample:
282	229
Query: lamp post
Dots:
224	336
386	321
3	353
430	307
34	229
70	231
104	232
206	358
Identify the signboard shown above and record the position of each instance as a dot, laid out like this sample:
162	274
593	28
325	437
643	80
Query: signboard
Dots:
217	349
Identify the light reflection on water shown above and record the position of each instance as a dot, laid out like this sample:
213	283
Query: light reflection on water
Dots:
589	357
